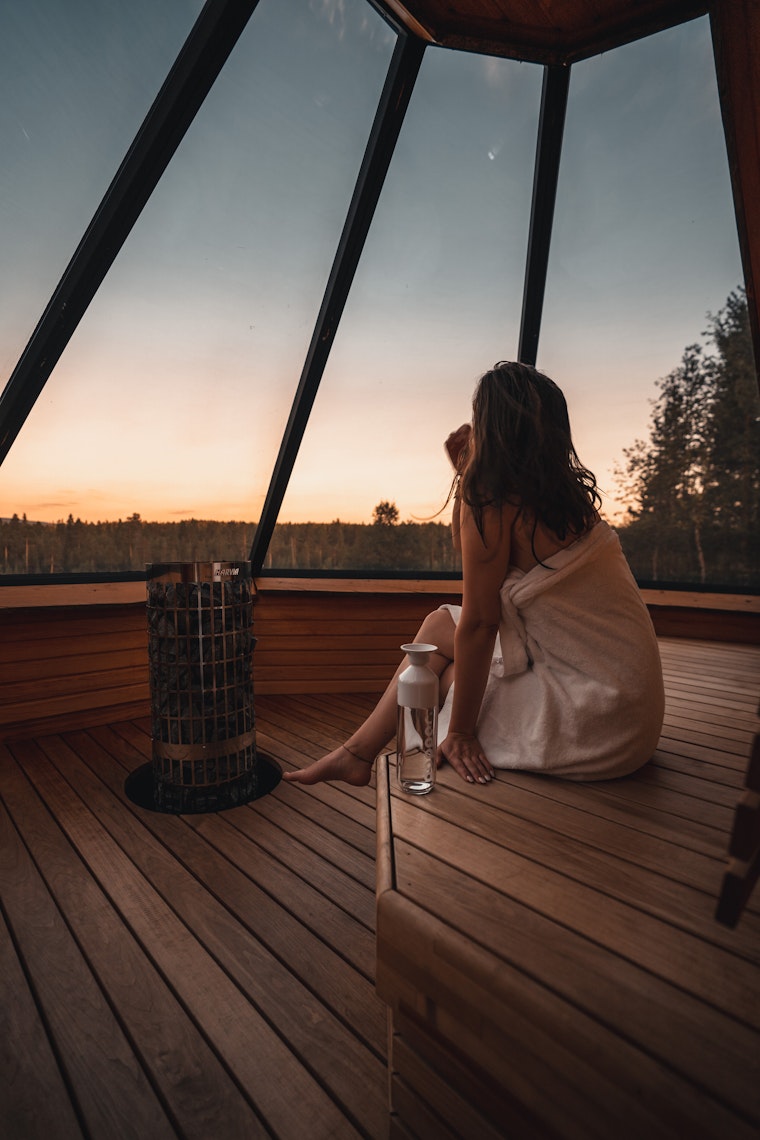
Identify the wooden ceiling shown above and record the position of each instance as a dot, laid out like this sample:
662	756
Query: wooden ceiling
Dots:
542	31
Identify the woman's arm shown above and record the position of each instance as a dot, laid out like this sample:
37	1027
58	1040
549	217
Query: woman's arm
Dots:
484	567
455	445
456	525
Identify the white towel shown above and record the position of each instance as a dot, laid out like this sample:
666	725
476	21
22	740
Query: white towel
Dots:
575	687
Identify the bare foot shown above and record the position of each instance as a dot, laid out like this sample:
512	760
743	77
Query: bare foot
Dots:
338	765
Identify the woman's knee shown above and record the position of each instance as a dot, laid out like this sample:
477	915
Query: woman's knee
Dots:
438	629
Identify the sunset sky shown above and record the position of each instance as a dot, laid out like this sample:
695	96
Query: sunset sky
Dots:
172	396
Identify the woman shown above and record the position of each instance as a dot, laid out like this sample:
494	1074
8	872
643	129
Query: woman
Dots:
551	662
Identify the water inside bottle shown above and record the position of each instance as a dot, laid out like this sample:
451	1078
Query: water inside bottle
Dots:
416	748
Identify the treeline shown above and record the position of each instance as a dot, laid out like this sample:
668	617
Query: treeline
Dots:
379	546
81	547
694	484
77	547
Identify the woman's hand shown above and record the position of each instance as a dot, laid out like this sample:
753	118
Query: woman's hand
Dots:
456	444
466	757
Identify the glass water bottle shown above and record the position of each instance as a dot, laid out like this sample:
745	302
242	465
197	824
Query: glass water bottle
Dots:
417	723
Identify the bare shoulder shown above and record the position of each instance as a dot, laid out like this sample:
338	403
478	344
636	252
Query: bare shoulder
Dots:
532	544
491	537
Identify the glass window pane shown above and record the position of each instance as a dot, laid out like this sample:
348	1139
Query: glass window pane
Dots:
172	397
77	81
644	247
436	301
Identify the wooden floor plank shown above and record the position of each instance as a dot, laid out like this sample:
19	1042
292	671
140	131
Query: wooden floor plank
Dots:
670	758
657	788
34	1099
223	922
599	802
278	853
204	990
350	811
332	847
732	759
618	834
711	667
740	697
163	1034
111	1090
636	874
302	860
715	736
719	718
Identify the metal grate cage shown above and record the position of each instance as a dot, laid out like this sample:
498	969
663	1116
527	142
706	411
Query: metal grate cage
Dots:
200	647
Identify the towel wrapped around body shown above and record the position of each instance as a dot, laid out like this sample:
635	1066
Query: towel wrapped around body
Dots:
575	687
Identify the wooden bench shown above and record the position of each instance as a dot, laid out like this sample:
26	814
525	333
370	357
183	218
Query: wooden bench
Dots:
549	951
743	869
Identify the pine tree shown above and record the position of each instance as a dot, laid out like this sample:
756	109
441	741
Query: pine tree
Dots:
733	431
385	514
694	486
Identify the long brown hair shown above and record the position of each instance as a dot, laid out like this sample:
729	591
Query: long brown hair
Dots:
521	452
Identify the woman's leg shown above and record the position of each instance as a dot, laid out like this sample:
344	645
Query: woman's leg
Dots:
353	761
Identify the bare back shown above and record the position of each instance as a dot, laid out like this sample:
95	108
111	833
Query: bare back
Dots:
527	549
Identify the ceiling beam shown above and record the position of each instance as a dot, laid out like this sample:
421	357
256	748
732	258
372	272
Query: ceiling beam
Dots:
551	125
549	33
736	38
402	74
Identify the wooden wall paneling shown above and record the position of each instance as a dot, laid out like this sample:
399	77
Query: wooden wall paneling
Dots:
325	642
67	666
71	666
706	624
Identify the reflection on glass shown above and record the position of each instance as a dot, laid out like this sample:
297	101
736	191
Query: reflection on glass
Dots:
78	79
436	301
644	247
171	399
